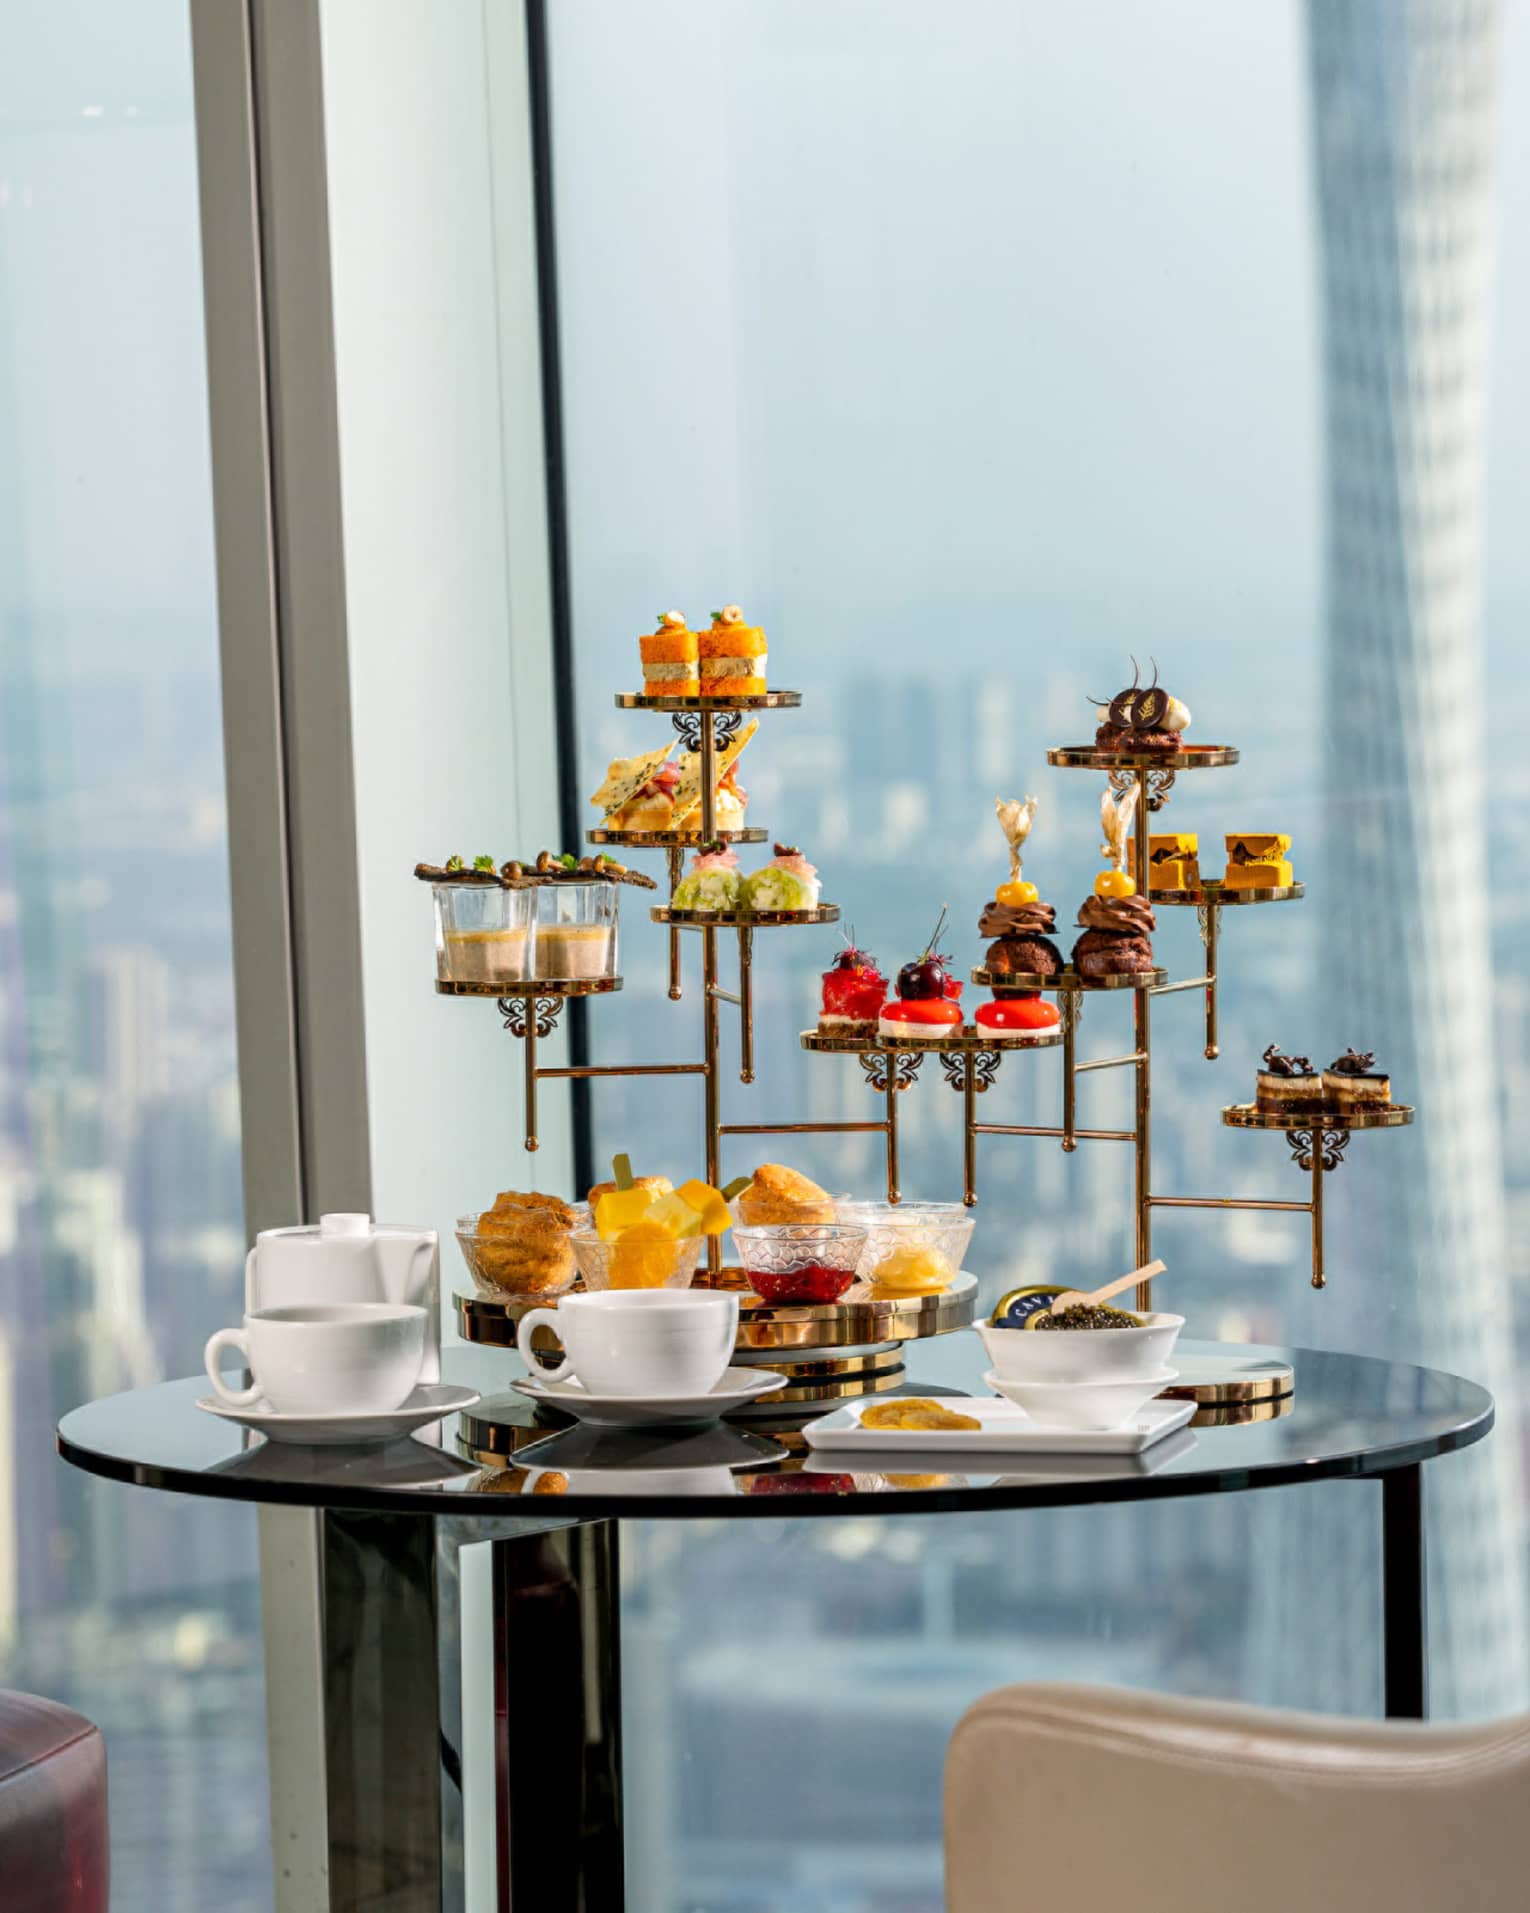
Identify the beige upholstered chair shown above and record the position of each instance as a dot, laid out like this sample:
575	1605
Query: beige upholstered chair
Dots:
1091	1800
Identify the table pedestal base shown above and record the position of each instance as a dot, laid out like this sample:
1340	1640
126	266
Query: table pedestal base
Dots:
557	1717
366	1714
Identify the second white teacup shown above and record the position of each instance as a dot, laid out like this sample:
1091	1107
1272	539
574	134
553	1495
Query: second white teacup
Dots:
638	1342
338	1358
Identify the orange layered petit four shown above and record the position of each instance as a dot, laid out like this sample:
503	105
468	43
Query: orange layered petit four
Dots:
668	657
733	656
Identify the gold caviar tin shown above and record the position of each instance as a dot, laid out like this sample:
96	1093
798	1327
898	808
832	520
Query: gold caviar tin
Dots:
1016	1309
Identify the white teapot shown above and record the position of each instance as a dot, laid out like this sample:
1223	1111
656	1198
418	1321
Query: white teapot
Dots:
349	1258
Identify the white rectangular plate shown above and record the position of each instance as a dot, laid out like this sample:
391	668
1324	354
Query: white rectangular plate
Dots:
1006	1430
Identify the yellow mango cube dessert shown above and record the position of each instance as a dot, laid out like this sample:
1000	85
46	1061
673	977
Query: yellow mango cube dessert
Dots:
1261	876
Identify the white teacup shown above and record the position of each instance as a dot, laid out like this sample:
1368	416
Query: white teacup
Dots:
339	1358
638	1342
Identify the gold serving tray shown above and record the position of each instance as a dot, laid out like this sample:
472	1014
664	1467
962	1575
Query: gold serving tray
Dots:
537	986
801	1396
1240	1414
1325	1116
970	1037
674	839
1223	896
743	919
761	701
1226	1379
1065	982
1189	757
860	1315
823	1366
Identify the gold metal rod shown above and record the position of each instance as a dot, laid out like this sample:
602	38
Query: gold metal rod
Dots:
1226	1202
1319	1274
1144	866
584	1071
1032	1129
890	1058
1213	924
800	1129
1142	1019
724	996
1174	989
530	1041
746	1004
707	739
1108	1062
969	1135
1071	1011
676	859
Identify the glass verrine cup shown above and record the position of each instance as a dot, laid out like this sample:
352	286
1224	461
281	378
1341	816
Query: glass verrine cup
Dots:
799	1262
916	1247
649	1262
500	1267
483	933
575	939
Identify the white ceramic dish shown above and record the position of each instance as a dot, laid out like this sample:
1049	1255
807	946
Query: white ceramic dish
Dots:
1006	1430
1087	1407
737	1388
1084	1354
428	1402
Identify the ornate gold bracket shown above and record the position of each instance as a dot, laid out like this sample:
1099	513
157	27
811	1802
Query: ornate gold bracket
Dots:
694	726
520	1013
1332	1143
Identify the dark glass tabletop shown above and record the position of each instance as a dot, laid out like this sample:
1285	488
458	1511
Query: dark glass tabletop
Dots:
1348	1415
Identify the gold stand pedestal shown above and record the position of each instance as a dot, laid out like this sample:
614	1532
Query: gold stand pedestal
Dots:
829	1351
673	839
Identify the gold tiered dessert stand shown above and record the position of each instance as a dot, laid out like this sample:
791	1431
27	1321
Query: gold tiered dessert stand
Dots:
835	1351
830	1351
1318	1139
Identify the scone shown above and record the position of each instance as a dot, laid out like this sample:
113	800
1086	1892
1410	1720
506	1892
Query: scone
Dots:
778	1194
523	1244
656	1185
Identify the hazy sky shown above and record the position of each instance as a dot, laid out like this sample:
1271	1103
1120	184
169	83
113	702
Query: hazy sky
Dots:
874	322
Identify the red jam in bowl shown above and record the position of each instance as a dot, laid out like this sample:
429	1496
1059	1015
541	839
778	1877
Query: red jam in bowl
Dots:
808	1282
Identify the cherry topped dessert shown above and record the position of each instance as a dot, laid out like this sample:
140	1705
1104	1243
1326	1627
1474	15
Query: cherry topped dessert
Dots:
926	1001
854	990
926	976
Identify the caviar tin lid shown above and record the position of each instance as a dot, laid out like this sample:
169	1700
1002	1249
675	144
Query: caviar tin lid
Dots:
1016	1309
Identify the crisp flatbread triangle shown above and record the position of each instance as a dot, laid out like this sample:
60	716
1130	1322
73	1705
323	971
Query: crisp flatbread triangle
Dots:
688	790
626	776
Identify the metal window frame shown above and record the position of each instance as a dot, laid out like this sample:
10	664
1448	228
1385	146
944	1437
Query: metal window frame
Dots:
286	663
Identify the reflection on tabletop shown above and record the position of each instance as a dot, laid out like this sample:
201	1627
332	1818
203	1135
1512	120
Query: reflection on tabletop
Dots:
587	1459
916	1469
407	1463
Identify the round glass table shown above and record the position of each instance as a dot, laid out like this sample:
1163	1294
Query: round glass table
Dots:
547	1497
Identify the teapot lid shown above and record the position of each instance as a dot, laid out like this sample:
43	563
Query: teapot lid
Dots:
345	1223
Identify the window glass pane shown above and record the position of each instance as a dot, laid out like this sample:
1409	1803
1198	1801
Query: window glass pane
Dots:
970	361
121	1231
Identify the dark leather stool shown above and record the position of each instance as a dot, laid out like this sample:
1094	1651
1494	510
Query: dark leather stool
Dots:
53	1840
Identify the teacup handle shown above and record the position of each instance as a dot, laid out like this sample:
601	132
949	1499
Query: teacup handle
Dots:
523	1346
216	1344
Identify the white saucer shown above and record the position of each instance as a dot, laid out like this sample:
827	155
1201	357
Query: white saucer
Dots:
428	1403
737	1388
